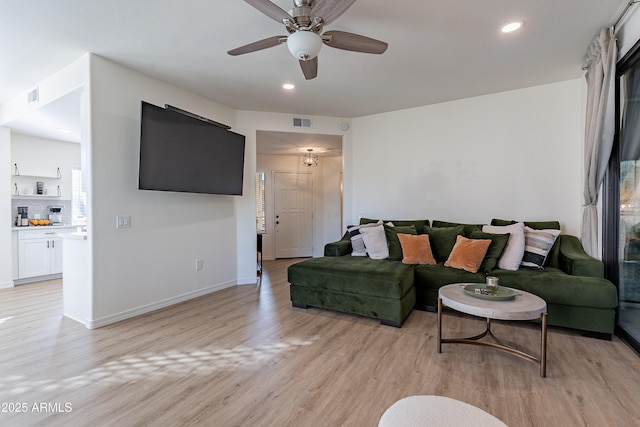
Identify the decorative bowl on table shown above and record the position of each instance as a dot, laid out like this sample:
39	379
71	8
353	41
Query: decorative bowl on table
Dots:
478	290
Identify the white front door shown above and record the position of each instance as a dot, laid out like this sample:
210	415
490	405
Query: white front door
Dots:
293	208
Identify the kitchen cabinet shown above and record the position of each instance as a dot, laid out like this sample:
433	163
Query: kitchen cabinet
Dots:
40	252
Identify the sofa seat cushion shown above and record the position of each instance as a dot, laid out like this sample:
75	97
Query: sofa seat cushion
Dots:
556	287
436	276
355	275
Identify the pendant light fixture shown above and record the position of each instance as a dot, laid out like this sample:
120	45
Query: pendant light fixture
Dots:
310	159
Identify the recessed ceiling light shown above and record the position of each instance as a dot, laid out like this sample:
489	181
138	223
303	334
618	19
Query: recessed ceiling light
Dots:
288	86
512	26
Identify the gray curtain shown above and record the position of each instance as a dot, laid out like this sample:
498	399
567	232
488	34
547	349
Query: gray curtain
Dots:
599	130
630	130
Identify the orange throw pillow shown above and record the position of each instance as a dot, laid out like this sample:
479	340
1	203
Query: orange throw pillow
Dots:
416	249
467	254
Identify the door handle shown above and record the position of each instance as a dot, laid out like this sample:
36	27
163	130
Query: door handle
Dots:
47	244
53	243
277	222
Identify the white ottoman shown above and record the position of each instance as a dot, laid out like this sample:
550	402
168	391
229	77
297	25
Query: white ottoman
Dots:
436	411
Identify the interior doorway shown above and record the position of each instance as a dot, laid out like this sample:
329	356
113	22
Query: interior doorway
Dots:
293	207
282	152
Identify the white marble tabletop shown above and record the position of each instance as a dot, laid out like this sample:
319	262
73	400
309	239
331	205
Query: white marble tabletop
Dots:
524	306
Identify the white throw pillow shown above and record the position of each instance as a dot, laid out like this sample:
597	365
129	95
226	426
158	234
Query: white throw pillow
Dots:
357	242
375	241
538	243
514	251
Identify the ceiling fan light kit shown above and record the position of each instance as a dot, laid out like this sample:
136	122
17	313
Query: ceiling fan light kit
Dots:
304	23
304	45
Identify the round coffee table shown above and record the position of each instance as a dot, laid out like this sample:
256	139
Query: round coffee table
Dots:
524	306
436	411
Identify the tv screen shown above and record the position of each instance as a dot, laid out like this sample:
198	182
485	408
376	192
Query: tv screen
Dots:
182	153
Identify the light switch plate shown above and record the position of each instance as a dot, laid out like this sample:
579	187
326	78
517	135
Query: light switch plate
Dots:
123	221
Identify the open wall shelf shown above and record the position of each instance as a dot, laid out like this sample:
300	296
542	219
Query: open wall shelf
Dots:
24	179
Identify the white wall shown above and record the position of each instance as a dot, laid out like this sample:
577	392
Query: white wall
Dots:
151	264
6	263
41	156
326	198
248	123
512	155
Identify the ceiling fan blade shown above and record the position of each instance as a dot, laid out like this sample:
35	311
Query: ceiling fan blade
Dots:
330	10
271	10
310	68
259	45
354	42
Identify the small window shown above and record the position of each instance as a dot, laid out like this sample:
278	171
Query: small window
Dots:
78	198
260	203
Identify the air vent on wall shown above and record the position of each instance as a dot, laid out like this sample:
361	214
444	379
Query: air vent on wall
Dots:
33	96
302	122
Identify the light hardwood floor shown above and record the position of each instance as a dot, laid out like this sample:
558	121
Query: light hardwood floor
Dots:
244	357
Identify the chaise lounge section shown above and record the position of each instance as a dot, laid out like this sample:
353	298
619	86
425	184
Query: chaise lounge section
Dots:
358	285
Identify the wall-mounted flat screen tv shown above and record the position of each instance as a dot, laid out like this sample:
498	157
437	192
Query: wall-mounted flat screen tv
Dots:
181	152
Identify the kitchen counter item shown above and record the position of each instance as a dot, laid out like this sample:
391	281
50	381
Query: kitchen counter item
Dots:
55	214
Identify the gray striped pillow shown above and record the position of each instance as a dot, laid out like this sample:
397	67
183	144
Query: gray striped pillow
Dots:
537	244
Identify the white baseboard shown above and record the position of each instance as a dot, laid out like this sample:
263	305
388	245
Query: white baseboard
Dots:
6	285
37	279
127	314
83	322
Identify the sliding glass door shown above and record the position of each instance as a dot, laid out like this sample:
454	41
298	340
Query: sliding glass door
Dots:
622	202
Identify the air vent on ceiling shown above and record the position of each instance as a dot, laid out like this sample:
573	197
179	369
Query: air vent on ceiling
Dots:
302	122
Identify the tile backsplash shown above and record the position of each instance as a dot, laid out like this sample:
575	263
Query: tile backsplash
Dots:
41	206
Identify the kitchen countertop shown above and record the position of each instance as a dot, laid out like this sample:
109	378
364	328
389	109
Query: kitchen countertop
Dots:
42	227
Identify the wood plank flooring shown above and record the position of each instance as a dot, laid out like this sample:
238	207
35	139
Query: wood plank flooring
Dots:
244	357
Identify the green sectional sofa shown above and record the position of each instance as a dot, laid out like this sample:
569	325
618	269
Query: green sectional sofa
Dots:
571	282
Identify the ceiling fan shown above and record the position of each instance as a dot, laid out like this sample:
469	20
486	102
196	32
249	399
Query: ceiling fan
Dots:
304	23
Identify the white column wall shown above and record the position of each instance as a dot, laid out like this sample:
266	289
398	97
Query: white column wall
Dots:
511	155
151	264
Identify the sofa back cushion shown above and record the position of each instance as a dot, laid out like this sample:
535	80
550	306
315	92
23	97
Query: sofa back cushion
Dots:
468	228
419	224
442	240
498	243
395	247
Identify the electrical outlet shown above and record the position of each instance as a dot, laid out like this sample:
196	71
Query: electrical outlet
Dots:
198	264
123	221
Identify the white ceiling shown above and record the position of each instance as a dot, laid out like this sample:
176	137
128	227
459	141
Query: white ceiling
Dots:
438	50
284	143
